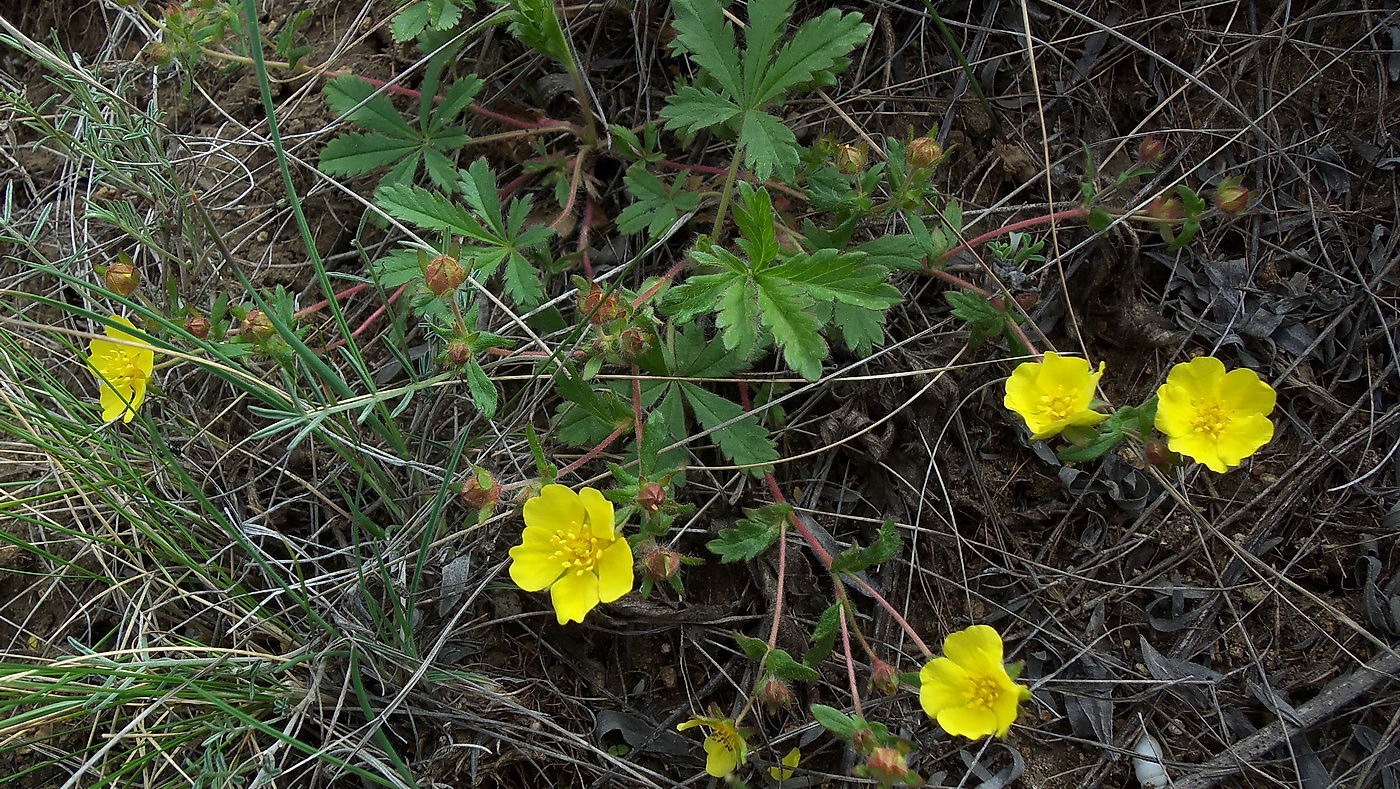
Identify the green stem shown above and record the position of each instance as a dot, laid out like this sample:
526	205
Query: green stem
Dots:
725	195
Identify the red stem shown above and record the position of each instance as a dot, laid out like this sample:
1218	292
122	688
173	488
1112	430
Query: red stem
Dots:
824	555
350	291
595	451
699	168
509	189
782	579
1071	213
637	416
373	316
474	108
657	285
850	664
583	238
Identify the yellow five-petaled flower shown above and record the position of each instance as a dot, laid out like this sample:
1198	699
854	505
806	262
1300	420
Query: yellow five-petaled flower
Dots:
1054	394
1214	417
571	547
725	747
968	690
123	371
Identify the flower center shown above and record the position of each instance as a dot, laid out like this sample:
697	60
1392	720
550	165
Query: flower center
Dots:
1059	405
982	692
727	738
1211	420
577	548
124	372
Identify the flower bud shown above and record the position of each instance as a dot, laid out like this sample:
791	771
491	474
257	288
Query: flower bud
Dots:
863	741
198	325
122	278
159	54
1159	454
458	353
886	765
600	307
651	497
257	326
444	275
662	563
850	159
1231	198
1152	150
884	678
479	496
923	153
633	343
775	695
1166	208
1025	300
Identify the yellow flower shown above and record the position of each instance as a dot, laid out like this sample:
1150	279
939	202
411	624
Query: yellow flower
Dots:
968	691
122	370
725	747
571	547
1054	394
790	761
1214	417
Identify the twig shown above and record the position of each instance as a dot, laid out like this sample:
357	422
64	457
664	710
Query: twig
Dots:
1322	707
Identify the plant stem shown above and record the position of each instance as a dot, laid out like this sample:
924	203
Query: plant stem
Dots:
725	195
637	416
584	458
1070	214
583	233
350	291
590	123
658	284
782	579
850	665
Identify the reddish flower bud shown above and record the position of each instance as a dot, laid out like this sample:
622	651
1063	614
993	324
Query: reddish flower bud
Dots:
1026	300
923	153
159	54
633	343
198	325
662	563
458	353
1231	198
1158	454
444	275
600	307
1152	150
257	326
651	497
886	765
122	278
1166	208
775	695
479	496
850	159
884	678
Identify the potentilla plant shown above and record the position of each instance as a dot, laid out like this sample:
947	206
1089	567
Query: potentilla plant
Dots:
789	252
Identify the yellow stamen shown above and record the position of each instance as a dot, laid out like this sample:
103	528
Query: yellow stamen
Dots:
982	692
1211	420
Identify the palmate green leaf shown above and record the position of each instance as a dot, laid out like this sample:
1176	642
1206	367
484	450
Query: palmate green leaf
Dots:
835	721
355	154
417	17
829	275
692	109
362	103
430	210
689	355
754	216
784	667
761	75
769	145
784	310
655	207
824	636
535	23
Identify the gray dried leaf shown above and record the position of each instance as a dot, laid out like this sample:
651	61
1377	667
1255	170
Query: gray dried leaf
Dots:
454	583
639	733
1002	778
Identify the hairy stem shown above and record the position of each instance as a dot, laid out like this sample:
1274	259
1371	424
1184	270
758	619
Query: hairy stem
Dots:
725	195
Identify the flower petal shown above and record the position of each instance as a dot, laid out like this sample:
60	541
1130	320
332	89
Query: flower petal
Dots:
574	595
1176	413
615	574
1243	437
533	568
1200	448
970	722
720	760
1007	707
556	508
114	403
1243	393
942	684
977	650
1199	377
599	512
